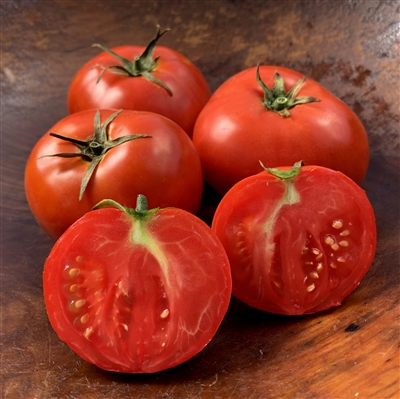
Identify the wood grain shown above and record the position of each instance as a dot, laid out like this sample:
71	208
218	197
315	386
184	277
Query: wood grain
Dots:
352	48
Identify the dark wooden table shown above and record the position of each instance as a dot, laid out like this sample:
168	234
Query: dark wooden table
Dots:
352	48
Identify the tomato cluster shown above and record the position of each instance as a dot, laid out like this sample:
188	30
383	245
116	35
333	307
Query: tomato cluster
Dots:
136	282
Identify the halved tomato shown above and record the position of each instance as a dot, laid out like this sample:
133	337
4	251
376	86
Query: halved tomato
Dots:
137	291
298	240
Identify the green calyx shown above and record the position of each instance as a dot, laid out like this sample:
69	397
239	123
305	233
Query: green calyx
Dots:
143	65
140	212
284	174
95	147
278	99
291	195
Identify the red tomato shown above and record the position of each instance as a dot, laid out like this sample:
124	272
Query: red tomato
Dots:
169	84
137	291
245	122
164	166
298	244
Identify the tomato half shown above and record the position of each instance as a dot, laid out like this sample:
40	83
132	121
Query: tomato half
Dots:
137	291
296	244
130	77
272	114
159	162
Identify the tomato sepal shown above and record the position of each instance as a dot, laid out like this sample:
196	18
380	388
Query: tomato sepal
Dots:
140	212
95	147
278	99
140	66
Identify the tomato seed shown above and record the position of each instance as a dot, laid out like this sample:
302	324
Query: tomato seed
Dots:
311	288
314	275
344	243
79	258
79	303
329	240
84	319
164	313
320	266
88	332
345	233
73	288
73	272
337	224
341	259
335	246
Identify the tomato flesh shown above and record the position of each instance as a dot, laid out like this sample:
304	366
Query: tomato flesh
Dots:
296	246
137	296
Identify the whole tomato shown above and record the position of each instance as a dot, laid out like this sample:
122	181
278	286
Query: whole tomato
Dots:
130	77
298	240
92	155
137	290
273	114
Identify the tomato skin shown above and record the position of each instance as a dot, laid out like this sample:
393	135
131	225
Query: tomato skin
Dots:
137	296
234	131
165	167
190	90
299	253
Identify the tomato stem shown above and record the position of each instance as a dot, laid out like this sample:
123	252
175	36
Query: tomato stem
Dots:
141	204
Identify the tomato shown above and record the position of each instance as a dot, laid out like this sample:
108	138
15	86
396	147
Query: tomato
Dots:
272	114
298	241
130	77
159	161
137	291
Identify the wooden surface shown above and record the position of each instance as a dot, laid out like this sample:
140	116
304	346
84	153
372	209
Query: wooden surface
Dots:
352	48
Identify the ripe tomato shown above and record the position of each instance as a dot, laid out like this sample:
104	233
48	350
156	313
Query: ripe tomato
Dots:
161	162
137	291
245	121
129	77
299	241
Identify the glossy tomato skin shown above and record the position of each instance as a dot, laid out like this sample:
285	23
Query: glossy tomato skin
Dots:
190	90
234	131
165	167
297	247
137	296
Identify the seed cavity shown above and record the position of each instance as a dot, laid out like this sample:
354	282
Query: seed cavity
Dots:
164	313
337	224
